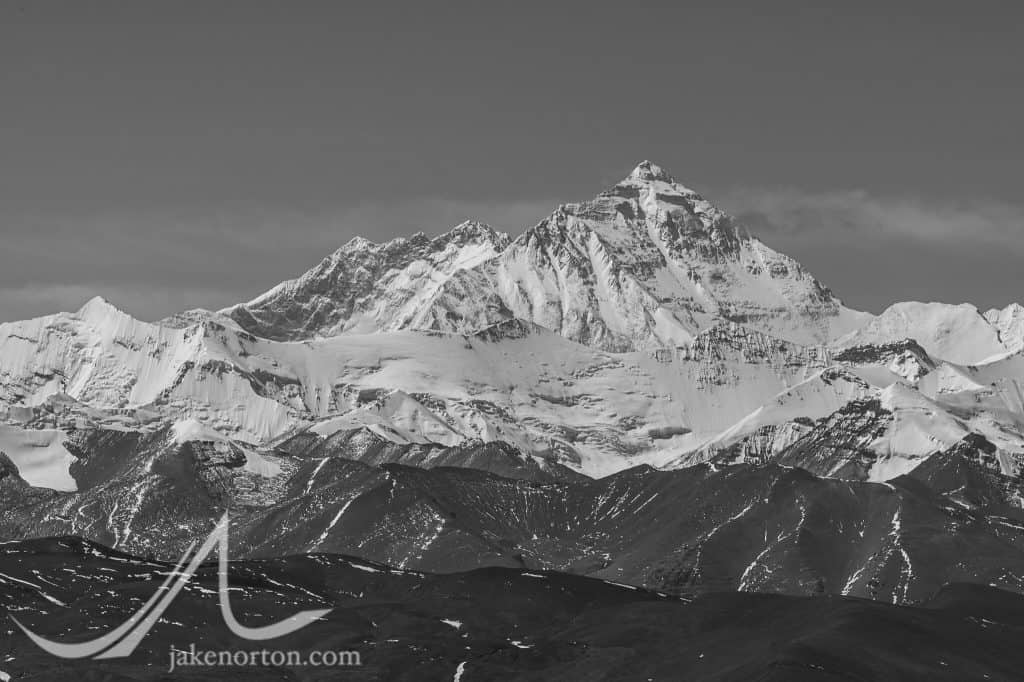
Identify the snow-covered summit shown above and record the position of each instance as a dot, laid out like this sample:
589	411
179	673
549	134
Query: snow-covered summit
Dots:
646	171
647	263
100	313
97	305
471	231
366	286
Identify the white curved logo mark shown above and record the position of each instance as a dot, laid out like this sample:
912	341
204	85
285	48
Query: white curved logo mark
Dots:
123	640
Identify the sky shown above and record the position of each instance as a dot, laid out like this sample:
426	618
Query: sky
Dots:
171	155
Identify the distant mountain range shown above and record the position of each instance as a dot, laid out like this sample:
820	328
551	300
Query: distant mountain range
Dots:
444	403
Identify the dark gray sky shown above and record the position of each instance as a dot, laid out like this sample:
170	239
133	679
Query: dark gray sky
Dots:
181	154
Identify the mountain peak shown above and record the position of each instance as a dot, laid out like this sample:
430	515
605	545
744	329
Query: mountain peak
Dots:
94	302
465	232
474	230
645	263
357	243
98	307
646	171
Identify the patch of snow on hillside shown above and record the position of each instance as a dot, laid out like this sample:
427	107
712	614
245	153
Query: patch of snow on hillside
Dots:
190	429
40	456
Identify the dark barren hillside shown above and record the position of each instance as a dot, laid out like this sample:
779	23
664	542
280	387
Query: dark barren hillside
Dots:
499	624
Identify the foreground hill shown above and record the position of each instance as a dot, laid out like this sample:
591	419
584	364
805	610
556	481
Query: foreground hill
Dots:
492	624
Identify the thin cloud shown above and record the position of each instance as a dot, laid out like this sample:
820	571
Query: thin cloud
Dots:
875	251
856	212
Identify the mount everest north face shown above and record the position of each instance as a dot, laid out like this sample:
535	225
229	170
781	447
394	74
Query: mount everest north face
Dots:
615	349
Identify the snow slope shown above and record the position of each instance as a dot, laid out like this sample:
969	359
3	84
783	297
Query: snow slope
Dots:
516	382
920	428
958	333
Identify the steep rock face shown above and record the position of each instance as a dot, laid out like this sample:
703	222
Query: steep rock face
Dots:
366	287
649	263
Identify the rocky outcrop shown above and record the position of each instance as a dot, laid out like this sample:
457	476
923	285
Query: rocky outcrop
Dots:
840	445
905	358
